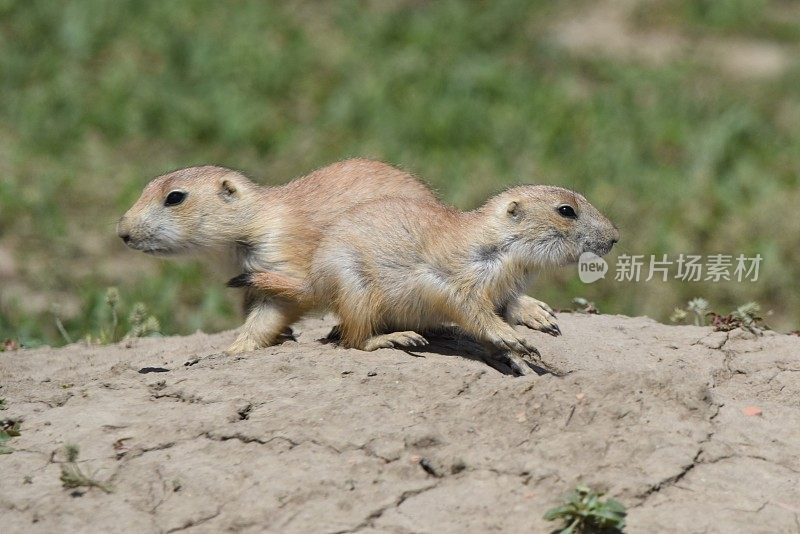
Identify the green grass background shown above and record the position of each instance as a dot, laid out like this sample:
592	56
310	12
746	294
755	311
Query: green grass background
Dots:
97	97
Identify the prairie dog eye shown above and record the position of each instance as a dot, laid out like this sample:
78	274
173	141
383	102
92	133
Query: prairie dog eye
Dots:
565	210
175	198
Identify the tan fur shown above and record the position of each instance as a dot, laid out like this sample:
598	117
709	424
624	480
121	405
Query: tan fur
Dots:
268	229
394	267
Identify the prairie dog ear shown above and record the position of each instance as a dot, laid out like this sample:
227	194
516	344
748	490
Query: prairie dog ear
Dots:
227	189
512	209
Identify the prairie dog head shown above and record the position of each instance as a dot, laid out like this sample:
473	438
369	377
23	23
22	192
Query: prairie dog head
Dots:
549	225
189	209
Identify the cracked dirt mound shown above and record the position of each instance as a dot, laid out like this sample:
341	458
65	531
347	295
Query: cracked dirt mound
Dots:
306	437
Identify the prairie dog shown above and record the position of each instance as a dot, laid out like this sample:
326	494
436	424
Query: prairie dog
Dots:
216	211
393	268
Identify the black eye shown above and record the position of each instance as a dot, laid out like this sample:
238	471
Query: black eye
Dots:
567	211
175	198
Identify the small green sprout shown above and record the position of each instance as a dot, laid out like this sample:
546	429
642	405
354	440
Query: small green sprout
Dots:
745	316
697	307
700	308
585	306
73	477
140	323
112	301
679	315
8	429
583	511
748	314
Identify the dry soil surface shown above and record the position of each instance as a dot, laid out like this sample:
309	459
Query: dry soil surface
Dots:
306	437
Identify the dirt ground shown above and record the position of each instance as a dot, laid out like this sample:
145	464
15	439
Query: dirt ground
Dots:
306	437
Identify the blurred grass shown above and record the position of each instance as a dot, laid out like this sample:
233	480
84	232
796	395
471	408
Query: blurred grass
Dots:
98	97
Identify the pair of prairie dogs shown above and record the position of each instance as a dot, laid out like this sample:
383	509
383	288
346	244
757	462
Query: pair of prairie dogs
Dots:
374	245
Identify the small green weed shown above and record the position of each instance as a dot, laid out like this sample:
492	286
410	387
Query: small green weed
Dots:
697	307
139	324
585	306
8	429
73	477
584	511
746	317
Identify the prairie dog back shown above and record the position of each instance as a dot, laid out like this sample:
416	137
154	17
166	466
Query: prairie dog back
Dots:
220	214
382	255
395	267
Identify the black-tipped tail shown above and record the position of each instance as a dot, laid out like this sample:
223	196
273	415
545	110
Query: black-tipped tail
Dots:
243	280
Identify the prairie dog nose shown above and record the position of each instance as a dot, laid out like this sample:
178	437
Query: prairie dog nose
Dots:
122	231
615	236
